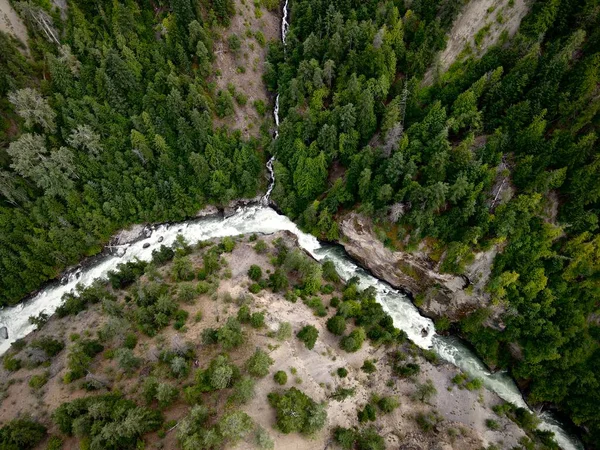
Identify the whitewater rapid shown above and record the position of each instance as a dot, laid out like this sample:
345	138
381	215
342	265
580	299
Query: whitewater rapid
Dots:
263	219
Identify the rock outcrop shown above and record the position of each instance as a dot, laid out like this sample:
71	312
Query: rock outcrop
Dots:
435	294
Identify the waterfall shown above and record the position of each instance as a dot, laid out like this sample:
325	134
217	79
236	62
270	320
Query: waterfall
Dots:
284	29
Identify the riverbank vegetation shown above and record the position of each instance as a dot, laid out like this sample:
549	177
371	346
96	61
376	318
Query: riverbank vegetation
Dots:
110	127
211	367
500	151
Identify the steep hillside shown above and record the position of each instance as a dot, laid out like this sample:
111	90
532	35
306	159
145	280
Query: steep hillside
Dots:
196	347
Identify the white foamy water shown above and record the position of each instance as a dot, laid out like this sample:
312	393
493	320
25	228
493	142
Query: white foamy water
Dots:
261	219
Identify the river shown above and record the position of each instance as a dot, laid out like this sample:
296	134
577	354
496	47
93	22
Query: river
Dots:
263	219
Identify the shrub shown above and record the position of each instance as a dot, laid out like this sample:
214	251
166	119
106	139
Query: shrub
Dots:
406	370
308	335
51	347
353	342
369	439
162	255
368	413
235	425
334	302
336	325
280	377
257	320
344	437
180	367
330	272
234	43
182	269
297	412
278	281
492	424
388	404
317	306
228	244
21	434
37	381
259	363
224	104
254	288
130	341
54	443
243	390
284	332
255	272
126	273
341	393
186	292
126	360
166	394
149	389
263	439
261	108
368	366
119	426
230	335
342	372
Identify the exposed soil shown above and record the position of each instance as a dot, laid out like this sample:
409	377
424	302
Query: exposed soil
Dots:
11	23
499	15
244	68
462	413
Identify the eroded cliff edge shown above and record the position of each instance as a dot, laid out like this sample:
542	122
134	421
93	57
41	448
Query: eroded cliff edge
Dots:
436	294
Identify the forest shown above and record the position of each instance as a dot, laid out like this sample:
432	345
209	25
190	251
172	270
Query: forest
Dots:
362	131
113	125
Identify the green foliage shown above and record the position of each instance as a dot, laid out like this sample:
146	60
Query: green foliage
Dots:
340	394
280	377
369	366
284	332
353	342
388	404
21	434
368	413
37	381
297	412
342	372
108	421
308	334
255	272
337	325
425	391
243	390
259	363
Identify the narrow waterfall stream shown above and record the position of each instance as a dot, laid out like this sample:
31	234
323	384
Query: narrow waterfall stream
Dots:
263	219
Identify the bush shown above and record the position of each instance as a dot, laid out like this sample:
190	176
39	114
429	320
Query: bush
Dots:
308	335
228	244
259	363
257	320
336	325
180	368
130	341
353	342
388	404
162	255
37	381
126	360
224	104
278	281
21	434
344	437
341	393
119	426
369	439
234	43
280	377
317	306
330	272
425	391
254	288
261	109
492	424
342	372
230	335
284	332
243	390
182	269
406	370
297	412
368	366
51	347
166	394
263	439
368	413
235	426
255	272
